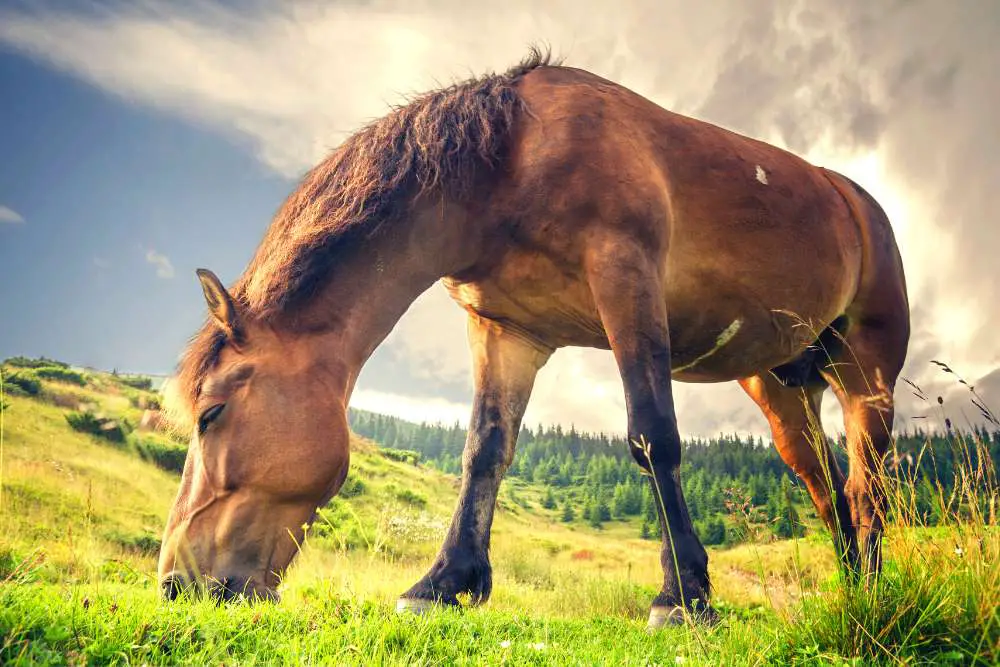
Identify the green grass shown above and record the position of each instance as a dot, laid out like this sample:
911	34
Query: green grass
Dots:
114	623
81	518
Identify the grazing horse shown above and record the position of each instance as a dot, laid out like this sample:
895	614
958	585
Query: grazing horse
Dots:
560	209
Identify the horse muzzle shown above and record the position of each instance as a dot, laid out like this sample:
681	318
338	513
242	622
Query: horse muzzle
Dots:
224	589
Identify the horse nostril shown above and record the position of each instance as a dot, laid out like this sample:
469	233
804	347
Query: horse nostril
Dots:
240	589
228	589
172	586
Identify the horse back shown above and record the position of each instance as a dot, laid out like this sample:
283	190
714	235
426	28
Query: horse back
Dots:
736	229
595	153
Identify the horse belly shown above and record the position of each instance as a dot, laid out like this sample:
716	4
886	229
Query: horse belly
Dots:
708	344
729	319
720	329
718	345
766	272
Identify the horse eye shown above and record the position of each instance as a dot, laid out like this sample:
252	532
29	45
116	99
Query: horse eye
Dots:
209	416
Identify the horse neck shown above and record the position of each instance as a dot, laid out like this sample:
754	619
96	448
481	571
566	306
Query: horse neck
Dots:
370	290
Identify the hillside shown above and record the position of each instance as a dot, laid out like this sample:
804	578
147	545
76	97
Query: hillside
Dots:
91	501
593	479
737	489
81	516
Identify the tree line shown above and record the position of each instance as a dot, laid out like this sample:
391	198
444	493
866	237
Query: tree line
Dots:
735	486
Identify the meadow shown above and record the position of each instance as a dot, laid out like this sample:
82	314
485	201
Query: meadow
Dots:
83	498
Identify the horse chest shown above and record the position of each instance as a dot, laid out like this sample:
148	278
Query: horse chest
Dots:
552	307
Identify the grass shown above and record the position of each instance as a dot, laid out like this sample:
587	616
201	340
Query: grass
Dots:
80	521
117	623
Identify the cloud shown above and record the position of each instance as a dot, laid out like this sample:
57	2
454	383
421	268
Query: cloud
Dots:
10	216
164	269
901	96
299	96
417	409
102	263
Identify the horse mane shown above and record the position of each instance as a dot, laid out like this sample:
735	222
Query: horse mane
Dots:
438	143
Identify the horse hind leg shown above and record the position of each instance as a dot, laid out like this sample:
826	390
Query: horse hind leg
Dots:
863	376
792	409
864	368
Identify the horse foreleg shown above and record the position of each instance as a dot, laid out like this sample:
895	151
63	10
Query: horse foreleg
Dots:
629	298
504	367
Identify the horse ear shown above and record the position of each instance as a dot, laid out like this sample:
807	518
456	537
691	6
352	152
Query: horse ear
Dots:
221	305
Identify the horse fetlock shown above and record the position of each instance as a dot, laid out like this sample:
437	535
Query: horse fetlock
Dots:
867	532
685	552
692	591
454	575
846	546
696	611
870	544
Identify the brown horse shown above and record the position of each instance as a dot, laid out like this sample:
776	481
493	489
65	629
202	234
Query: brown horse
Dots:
561	209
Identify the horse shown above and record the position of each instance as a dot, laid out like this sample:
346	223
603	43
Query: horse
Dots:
557	208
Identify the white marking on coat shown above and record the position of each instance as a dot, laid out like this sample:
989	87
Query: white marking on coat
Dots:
761	175
722	339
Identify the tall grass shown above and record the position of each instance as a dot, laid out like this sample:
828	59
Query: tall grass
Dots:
937	600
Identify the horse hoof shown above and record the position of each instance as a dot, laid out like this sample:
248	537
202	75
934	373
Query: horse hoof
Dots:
663	616
413	606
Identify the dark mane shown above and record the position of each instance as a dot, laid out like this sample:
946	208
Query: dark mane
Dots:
439	143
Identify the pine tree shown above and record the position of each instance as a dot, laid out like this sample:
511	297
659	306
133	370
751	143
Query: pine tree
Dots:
619	502
603	511
391	433
567	512
758	489
712	531
788	523
549	501
774	504
649	511
592	514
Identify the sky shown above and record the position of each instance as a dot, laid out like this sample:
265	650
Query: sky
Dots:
143	139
